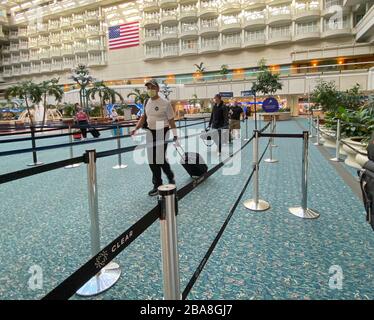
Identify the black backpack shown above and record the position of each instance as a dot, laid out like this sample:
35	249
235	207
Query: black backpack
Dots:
367	187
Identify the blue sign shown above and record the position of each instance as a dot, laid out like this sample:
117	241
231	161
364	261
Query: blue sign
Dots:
226	94
270	105
247	93
109	108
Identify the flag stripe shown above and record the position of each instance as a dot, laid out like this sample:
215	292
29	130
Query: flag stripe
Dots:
124	35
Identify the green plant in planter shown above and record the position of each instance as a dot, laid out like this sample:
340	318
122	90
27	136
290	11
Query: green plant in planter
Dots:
224	71
326	96
267	82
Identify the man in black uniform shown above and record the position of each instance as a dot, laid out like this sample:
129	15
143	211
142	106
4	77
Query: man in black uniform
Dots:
219	120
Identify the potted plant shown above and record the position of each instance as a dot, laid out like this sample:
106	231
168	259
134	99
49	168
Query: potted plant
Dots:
199	73
224	71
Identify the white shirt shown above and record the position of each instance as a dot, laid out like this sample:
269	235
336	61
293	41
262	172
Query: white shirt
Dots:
158	113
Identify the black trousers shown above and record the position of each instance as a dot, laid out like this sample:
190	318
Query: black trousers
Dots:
83	125
157	156
217	138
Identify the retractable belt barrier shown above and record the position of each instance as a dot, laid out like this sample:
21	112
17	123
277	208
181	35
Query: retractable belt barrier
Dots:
69	286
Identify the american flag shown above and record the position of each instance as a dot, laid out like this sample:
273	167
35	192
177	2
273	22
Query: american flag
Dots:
124	36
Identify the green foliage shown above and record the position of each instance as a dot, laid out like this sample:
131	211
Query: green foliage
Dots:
67	110
96	111
50	88
139	96
326	96
194	101
200	67
224	70
266	83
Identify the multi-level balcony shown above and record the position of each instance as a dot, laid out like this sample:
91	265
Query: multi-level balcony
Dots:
169	35
208	11
80	33
169	52
230	6
186	15
93	31
307	31
152	54
15	58
208	29
151	22
68	63
13	34
33	43
336	29
78	19
65	23
209	46
279	36
254	39
5	49
231	25
14	47
25	69
23	45
45	66
168	18
231	43
67	50
331	8
55	39
67	37
95	60
34	55
6	61
254	20
54	25
44	54
35	68
80	48
43	41
189	32
93	46
306	13
150	5
189	49
167	3
24	57
277	17
151	37
7	72
16	70
55	52
81	59
93	16
56	64
32	30
43	28
22	32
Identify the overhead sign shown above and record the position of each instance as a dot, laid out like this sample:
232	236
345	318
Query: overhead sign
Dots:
226	94
247	93
270	105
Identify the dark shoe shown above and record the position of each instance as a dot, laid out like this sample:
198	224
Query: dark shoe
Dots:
153	192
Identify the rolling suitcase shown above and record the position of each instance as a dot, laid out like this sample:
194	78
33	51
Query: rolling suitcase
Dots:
94	133
77	135
193	163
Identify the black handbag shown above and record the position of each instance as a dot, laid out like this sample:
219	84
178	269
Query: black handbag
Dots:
367	187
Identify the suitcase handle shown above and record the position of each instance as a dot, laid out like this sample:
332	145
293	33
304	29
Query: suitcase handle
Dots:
176	148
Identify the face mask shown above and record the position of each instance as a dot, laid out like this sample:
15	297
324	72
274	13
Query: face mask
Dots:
152	93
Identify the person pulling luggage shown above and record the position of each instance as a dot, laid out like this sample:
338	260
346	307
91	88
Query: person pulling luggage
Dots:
219	120
82	120
158	118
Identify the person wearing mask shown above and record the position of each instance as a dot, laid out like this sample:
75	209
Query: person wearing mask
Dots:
219	120
159	118
235	113
82	120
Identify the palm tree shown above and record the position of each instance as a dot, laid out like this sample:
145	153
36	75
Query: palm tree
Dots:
139	96
26	91
50	88
200	67
105	94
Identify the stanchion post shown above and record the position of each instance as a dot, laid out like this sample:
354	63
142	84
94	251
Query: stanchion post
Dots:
318	143
271	144
75	165
256	204
246	128
33	145
303	211
169	242
110	274
185	127
311	125
119	165
274	130
337	151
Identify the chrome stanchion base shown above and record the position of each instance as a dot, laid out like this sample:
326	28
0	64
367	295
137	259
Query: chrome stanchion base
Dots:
261	205
336	159
318	144
271	160
107	277
122	166
274	146
72	166
35	164
304	213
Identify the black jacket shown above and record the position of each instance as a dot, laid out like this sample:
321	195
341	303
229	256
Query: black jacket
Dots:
219	119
